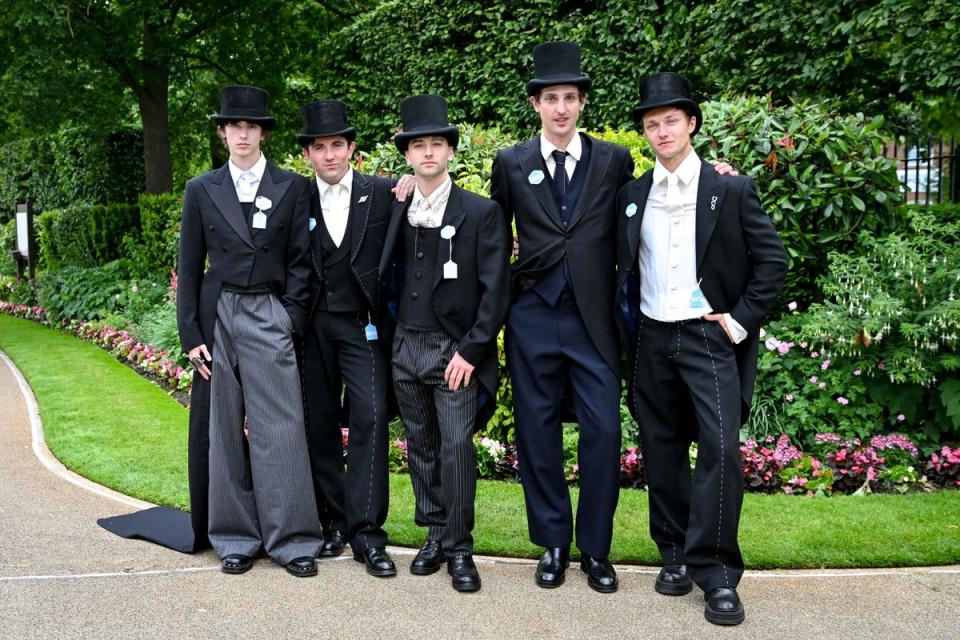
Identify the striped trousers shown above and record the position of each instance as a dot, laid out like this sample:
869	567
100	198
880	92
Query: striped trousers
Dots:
439	425
261	493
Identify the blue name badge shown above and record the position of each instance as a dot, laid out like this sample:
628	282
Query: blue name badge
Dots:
371	332
696	299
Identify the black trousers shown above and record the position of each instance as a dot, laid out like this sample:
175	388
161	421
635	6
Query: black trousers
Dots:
337	355
687	388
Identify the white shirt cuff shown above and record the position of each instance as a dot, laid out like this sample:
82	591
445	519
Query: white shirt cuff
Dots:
738	332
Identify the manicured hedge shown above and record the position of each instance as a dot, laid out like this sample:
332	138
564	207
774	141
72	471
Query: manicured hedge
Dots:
86	235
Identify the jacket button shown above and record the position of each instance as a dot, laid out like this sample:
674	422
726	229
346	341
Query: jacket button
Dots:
419	254
224	249
211	227
414	295
265	249
418	275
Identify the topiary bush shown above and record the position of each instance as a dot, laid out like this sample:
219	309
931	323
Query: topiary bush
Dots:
86	235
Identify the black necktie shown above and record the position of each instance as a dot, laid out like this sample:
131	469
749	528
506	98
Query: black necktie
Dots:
560	172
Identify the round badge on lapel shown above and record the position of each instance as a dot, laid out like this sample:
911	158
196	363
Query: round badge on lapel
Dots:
312	224
535	177
448	232
631	210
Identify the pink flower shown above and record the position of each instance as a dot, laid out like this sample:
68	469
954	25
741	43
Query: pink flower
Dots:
901	417
813	379
771	343
881	366
792	306
784	348
789	397
843	400
857	372
814	354
824	365
822	385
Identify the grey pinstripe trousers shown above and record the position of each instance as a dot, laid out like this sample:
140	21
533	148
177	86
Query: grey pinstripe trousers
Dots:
439	424
261	494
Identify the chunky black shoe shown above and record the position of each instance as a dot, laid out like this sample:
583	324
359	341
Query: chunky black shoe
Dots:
674	581
236	563
601	575
303	567
723	606
552	568
464	572
333	544
377	561
429	559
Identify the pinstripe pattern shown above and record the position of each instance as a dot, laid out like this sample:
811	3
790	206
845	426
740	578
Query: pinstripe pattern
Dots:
439	424
261	494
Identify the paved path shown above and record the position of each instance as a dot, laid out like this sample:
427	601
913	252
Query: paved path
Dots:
61	576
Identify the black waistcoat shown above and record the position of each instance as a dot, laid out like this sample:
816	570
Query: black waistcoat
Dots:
341	293
419	247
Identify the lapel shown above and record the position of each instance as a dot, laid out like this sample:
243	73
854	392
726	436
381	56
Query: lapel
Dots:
361	198
635	222
224	195
600	157
398	215
273	186
453	216
710	193
530	161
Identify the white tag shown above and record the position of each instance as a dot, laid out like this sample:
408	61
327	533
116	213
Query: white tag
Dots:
371	332
448	232
312	224
259	220
631	210
450	270
535	177
262	203
696	299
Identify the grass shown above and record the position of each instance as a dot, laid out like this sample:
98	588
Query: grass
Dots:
110	425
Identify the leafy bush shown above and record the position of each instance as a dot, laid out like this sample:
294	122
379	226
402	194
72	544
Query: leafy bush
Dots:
85	235
98	292
160	233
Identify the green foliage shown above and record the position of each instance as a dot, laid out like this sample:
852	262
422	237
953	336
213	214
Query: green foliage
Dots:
8	243
820	175
98	292
158	328
160	233
72	166
633	140
85	235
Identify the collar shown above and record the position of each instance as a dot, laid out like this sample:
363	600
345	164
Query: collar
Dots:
575	148
257	169
439	196
346	181
687	172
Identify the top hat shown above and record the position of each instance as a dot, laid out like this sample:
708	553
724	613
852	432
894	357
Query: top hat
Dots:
557	63
424	115
325	118
667	89
238	102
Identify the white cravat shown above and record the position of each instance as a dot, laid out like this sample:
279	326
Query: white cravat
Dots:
427	211
247	182
335	205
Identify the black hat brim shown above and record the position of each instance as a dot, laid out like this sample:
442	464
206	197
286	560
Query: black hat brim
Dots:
267	123
686	104
349	133
537	85
402	139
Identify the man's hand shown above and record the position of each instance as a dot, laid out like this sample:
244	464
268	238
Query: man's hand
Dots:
404	188
718	317
200	364
459	370
723	168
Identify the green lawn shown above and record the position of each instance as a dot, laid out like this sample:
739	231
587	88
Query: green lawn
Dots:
107	423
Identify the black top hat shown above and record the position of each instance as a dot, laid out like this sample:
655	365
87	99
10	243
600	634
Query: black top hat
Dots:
238	102
325	118
667	89
424	115
557	63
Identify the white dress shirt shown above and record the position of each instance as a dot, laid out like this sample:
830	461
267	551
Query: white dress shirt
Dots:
247	182
669	288
427	211
574	151
335	205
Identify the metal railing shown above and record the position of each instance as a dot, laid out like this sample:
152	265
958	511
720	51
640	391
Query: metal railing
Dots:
929	169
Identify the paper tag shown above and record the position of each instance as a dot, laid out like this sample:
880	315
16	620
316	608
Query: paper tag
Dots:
696	299
535	177
631	210
312	224
448	232
259	220
450	270
371	332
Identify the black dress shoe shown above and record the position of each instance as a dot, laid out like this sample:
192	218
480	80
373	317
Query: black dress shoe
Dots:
236	563
378	562
332	544
601	575
464	572
723	606
552	568
303	567
429	559
674	581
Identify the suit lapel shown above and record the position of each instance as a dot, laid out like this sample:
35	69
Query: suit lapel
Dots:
530	161
224	195
398	215
600	157
635	222
710	192
361	198
452	216
273	190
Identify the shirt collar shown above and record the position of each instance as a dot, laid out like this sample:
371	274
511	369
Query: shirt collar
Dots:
437	197
687	172
575	148
346	181
257	169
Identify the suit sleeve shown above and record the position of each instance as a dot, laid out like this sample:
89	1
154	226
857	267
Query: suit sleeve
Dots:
297	294
500	191
192	257
768	261
626	170
493	271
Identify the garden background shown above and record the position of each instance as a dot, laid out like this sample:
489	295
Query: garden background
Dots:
104	117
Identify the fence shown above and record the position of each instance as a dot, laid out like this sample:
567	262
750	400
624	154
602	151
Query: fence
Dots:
928	169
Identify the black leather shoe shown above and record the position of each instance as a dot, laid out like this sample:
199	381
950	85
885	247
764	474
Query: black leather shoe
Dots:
723	606
429	559
236	563
333	543
464	572
552	568
601	575
674	581
378	562
303	567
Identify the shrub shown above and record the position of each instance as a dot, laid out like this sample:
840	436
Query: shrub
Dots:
85	235
98	292
160	233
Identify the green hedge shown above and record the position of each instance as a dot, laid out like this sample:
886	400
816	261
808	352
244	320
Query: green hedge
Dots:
86	235
160	234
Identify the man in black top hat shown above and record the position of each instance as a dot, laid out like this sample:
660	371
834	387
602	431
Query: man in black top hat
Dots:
560	187
237	319
343	344
699	266
445	266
